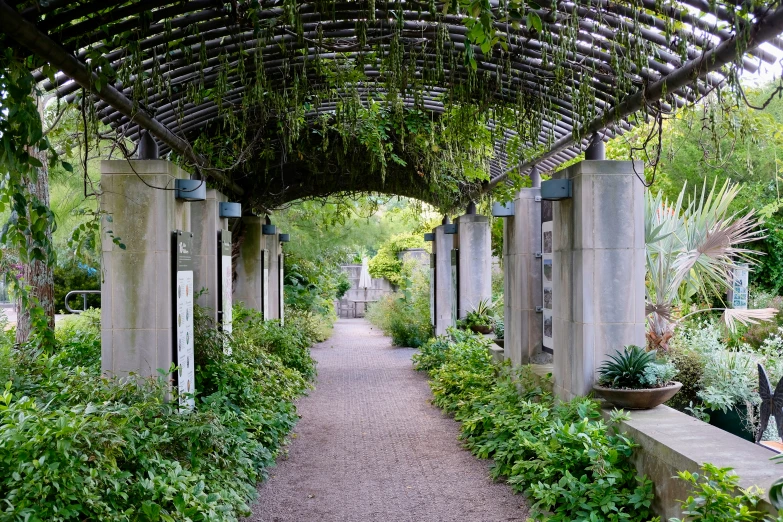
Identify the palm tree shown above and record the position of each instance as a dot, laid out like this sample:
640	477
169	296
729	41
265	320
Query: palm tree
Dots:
692	250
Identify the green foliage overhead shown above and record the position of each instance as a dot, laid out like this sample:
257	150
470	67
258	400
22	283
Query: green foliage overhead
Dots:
387	262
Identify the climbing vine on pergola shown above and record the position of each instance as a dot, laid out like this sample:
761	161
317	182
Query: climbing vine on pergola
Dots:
274	101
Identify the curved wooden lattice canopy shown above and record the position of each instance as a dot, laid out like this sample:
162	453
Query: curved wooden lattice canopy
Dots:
565	69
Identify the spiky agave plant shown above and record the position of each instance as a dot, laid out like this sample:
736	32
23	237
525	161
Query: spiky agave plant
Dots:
692	250
625	369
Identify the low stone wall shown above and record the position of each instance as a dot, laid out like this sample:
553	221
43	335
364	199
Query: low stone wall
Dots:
672	441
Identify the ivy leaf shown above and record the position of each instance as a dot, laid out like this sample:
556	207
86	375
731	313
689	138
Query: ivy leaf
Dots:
534	21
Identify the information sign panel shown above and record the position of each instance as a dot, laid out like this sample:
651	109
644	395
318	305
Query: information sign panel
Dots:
433	289
739	288
183	316
265	285
454	286
547	272
281	288
226	285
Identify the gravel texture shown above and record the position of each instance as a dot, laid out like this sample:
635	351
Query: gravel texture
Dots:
371	447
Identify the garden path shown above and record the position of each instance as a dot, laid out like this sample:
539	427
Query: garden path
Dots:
371	447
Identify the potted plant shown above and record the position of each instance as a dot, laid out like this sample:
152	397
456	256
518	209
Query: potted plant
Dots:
633	379
729	391
480	319
500	332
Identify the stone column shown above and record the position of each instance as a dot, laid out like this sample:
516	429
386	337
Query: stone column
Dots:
136	300
272	245
441	247
249	286
522	280
473	240
206	222
599	271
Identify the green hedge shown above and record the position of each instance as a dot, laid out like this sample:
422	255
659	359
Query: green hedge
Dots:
570	464
74	446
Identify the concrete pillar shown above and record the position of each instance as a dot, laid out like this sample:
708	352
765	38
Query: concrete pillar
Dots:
522	280
252	269
441	248
473	242
274	252
206	222
136	291
599	271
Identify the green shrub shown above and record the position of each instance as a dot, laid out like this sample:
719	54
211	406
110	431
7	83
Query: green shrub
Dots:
405	315
569	463
312	287
432	354
500	329
690	368
75	446
386	262
79	336
289	342
74	275
717	497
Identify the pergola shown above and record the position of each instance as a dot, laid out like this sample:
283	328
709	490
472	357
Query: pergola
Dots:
570	71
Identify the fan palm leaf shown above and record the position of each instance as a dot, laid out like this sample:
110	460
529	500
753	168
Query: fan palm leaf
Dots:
693	249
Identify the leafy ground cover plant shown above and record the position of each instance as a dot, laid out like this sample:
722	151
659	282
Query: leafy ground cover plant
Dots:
75	446
567	460
717	497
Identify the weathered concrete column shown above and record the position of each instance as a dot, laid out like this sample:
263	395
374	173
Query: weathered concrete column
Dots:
599	271
473	241
274	252
205	223
522	280
252	268
441	248
136	292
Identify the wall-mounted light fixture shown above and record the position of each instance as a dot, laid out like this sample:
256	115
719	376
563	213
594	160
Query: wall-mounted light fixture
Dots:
268	229
503	209
429	236
190	189
230	210
285	238
556	189
450	228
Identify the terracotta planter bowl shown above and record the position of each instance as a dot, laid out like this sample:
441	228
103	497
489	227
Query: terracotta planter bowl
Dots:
481	329
638	399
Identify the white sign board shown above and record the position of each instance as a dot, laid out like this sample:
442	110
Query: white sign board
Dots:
432	289
265	285
281	286
454	286
226	286
739	288
547	271
183	317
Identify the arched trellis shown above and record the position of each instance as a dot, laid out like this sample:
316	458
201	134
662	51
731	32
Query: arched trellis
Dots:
579	67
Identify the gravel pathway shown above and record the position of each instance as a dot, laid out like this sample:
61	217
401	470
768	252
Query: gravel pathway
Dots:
370	446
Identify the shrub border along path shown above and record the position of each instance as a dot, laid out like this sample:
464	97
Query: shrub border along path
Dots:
371	447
